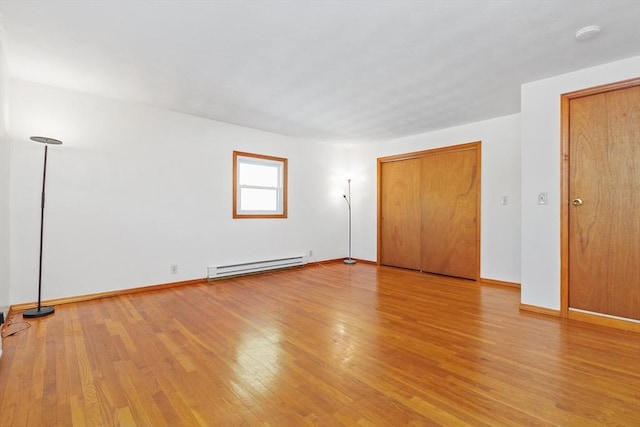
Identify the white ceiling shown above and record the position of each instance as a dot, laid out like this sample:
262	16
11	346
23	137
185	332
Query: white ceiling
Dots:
336	71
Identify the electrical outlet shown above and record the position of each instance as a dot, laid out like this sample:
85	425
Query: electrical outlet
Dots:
310	253
174	268
542	198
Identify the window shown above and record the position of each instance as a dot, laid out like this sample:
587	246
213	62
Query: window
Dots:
259	186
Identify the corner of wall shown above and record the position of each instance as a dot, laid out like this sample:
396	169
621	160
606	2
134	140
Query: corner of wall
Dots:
4	182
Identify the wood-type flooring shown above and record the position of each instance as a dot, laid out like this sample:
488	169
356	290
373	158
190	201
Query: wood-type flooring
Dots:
326	345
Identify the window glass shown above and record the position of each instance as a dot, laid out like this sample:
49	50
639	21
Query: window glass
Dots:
259	186
258	175
258	199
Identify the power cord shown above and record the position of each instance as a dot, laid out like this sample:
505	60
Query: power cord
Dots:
3	330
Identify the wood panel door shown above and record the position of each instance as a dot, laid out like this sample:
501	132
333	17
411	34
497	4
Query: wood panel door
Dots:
449	212
399	213
604	203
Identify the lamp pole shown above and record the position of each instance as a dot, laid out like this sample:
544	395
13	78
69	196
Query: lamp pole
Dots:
348	200
41	311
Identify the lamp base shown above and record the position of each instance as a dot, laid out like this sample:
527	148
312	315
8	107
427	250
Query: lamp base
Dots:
349	261
38	312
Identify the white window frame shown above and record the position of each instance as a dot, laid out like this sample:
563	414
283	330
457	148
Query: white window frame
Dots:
280	164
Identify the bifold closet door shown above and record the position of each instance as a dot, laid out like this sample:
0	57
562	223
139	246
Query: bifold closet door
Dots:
450	186
400	213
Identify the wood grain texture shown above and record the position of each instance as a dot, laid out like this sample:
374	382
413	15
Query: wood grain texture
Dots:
599	319
604	232
109	294
539	310
400	213
429	210
321	345
449	212
485	281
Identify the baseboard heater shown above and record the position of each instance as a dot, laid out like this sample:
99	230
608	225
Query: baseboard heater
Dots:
254	267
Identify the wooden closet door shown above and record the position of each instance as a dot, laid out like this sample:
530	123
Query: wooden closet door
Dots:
400	213
604	203
450	213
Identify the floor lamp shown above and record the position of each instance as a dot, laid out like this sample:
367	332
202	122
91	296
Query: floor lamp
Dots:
347	198
41	311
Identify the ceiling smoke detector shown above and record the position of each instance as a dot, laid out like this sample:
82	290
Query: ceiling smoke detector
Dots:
587	33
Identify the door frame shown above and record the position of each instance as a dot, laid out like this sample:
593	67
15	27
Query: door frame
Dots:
565	100
477	145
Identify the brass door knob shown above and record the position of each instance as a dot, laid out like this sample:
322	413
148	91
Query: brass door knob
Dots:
577	202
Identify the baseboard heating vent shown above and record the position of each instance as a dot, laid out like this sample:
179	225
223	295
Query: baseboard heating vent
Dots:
254	267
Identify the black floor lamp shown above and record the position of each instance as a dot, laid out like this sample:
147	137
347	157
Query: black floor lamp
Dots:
347	198
41	311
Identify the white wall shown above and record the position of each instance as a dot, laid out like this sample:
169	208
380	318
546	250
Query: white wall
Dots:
4	185
133	190
500	225
541	173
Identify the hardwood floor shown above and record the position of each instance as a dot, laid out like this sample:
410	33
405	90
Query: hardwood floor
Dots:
319	345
